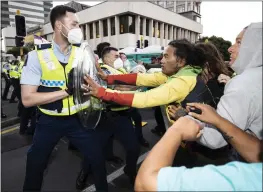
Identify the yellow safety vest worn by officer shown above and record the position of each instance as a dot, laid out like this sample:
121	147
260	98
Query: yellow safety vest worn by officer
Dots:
114	71
14	72
54	78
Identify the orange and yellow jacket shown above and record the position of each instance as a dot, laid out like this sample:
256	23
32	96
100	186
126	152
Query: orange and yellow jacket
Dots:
167	89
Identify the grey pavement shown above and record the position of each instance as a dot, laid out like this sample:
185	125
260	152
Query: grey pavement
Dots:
64	165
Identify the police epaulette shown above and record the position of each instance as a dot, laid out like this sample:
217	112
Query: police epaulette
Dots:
77	45
44	46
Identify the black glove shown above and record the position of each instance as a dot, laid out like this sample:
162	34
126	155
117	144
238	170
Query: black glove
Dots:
70	84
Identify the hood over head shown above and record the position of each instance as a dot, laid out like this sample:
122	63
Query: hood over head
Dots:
250	52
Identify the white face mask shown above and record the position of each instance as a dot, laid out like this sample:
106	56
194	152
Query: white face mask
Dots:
118	63
75	35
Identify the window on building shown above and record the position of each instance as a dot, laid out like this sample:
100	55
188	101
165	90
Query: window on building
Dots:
91	30
153	28
169	29
127	24
141	26
97	29
147	27
189	7
105	27
112	24
164	31
169	4
180	8
159	30
84	32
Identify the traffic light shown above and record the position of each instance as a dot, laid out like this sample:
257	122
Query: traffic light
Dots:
20	22
19	41
138	44
145	43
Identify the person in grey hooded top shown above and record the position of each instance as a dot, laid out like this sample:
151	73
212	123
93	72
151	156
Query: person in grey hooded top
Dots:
241	103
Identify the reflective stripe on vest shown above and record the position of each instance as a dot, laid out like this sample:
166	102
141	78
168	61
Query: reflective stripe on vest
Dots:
115	72
55	75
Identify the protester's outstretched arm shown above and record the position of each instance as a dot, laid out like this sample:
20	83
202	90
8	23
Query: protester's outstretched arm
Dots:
247	146
139	79
173	91
162	154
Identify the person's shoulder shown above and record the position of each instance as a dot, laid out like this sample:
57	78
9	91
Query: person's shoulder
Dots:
31	59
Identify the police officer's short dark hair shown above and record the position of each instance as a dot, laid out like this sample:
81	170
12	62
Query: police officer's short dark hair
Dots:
100	48
107	50
58	12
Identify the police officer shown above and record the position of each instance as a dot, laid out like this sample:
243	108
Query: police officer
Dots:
47	82
6	66
116	121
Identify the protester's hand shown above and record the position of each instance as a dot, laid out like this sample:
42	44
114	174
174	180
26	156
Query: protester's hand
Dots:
188	129
223	78
176	111
70	85
208	115
91	87
100	73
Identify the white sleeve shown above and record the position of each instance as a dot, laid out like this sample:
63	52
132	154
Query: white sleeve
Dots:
31	72
233	106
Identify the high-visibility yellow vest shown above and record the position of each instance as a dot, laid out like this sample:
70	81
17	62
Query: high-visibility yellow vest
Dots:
114	71
14	72
55	77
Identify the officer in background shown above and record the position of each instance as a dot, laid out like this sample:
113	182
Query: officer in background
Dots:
47	82
116	121
6	66
15	79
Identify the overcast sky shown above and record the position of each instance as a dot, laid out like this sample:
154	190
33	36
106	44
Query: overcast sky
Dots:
222	19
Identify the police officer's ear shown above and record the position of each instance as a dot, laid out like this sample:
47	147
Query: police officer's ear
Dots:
58	25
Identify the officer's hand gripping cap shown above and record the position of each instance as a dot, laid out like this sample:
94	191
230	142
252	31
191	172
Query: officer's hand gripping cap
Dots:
89	107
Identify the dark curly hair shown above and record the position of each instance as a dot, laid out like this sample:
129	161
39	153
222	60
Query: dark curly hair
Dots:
185	50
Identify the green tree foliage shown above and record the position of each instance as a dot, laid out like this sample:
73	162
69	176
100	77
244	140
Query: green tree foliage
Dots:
16	51
221	44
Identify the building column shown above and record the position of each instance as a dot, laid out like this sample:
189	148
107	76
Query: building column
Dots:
117	32
166	34
87	32
162	34
101	30
175	33
192	5
185	6
151	31
137	27
175	10
109	29
144	27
